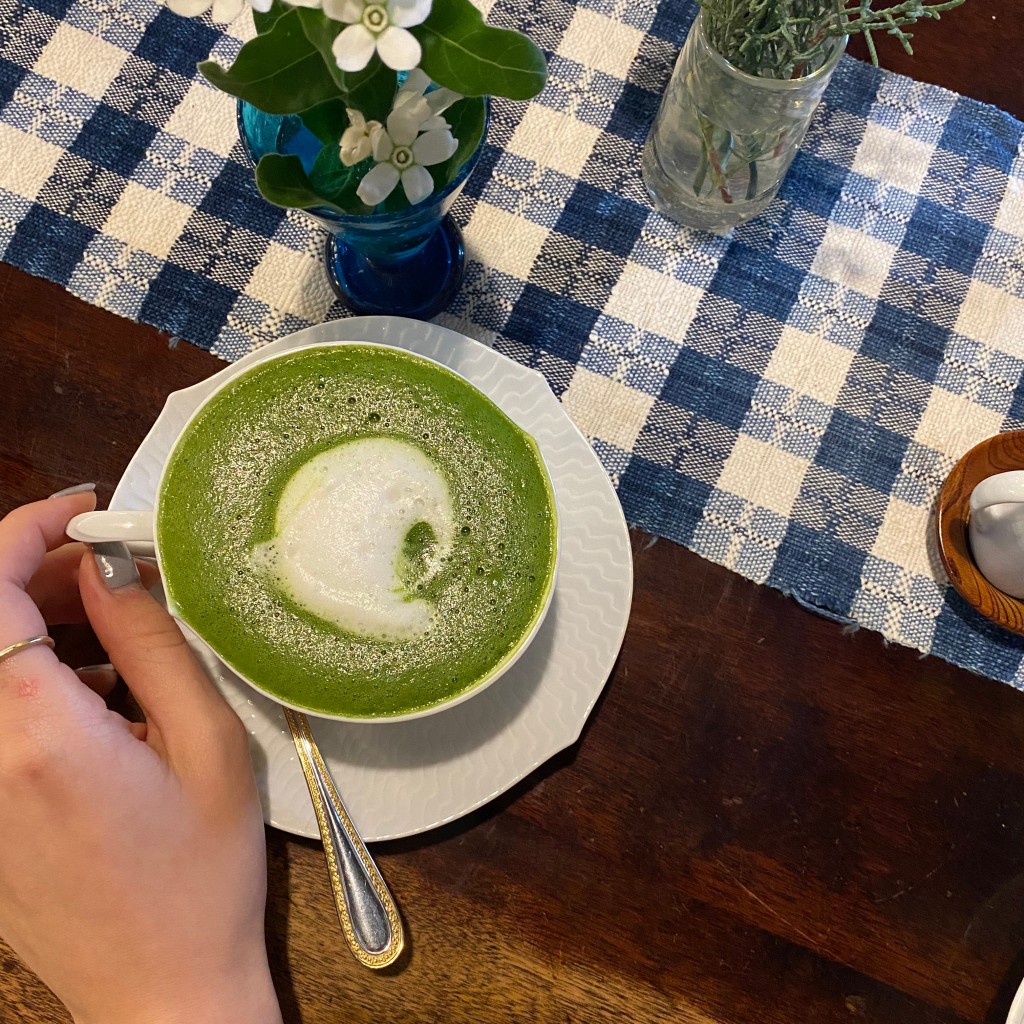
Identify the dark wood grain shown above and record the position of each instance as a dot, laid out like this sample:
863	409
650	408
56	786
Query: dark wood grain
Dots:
767	820
999	454
973	49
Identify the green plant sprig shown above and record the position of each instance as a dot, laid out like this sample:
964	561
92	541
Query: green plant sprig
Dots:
789	38
892	20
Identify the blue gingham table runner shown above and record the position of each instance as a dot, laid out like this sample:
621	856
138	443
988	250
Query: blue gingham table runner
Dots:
785	401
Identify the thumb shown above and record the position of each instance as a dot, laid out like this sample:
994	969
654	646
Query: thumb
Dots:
187	716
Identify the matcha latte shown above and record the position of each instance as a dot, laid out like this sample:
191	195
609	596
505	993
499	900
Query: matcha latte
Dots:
357	531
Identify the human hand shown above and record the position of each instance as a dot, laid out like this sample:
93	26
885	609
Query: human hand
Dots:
132	856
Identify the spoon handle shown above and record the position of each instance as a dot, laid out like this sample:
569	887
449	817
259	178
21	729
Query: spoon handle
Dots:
367	911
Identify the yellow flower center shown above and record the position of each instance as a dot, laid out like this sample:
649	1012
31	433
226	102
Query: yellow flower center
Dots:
375	17
402	157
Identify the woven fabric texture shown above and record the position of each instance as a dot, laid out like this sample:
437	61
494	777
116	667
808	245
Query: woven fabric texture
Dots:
785	400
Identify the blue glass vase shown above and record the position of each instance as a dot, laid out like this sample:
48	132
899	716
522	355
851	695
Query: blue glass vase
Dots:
405	263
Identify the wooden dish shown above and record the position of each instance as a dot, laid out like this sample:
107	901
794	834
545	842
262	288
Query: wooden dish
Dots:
994	455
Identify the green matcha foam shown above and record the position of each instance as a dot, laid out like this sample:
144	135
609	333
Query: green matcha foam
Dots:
359	434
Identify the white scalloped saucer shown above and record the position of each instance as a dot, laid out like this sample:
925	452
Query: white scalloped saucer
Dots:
402	778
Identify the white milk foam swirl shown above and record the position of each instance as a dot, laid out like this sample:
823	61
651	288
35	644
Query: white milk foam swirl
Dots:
341	524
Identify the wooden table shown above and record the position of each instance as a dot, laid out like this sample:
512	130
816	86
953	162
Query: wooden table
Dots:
767	819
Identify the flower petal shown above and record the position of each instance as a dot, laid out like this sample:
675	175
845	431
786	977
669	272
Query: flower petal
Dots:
404	123
377	184
353	48
412	104
435	123
304	3
189	8
398	48
261	5
416	81
223	12
355	145
405	13
381	144
404	100
355	119
418	184
441	99
348	11
434	147
352	153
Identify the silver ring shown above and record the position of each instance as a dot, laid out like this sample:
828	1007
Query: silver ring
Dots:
22	645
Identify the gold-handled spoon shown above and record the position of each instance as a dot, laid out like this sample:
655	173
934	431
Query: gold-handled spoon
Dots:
366	909
369	917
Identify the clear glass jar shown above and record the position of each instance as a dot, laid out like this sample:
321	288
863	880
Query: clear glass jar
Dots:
723	140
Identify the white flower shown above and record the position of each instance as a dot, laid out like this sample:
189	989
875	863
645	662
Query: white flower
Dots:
221	11
415	106
380	25
357	138
416	137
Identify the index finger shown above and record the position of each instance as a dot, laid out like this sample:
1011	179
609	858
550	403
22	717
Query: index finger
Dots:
25	536
27	533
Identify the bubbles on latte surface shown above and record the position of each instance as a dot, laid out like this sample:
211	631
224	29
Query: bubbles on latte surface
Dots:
344	525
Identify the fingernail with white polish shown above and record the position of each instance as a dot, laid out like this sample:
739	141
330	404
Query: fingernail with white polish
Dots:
76	489
116	564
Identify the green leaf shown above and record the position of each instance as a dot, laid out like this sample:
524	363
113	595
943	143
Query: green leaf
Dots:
369	91
321	31
330	178
463	53
282	181
372	90
279	72
468	119
264	22
326	120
